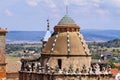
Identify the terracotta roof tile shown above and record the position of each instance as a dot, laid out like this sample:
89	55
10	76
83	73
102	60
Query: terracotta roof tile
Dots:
117	64
114	71
3	30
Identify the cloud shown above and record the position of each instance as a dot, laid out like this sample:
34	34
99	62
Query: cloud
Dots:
8	12
50	3
78	2
116	2
96	3
89	7
32	3
102	12
83	2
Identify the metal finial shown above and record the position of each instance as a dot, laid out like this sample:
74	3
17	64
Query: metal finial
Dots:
67	3
48	25
66	9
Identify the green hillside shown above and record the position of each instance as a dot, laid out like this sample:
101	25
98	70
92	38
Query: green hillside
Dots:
98	48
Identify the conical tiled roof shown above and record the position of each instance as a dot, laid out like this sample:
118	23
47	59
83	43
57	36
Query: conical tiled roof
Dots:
66	24
66	39
47	36
66	20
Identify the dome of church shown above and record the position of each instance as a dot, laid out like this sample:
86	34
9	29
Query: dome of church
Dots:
66	39
66	43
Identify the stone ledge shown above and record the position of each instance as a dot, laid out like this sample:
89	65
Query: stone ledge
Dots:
68	74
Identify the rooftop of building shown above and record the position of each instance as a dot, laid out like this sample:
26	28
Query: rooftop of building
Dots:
47	35
66	20
59	45
114	71
117	64
66	24
66	39
3	30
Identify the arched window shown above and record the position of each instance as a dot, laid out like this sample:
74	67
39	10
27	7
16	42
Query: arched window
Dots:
60	63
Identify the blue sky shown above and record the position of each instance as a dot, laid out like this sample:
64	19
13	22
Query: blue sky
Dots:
31	15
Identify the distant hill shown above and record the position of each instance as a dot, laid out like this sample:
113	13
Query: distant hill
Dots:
115	43
100	35
24	35
90	35
111	43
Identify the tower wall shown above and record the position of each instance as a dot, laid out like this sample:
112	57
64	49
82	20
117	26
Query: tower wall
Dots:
40	76
2	54
65	57
75	61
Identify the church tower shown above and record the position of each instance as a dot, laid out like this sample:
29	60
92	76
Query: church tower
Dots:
66	47
2	53
65	56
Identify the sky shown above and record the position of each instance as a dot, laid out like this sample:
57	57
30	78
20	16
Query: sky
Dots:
31	15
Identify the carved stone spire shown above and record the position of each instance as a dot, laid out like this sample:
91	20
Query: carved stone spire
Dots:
48	27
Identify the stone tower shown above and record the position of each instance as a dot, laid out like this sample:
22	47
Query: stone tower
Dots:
66	47
64	57
2	54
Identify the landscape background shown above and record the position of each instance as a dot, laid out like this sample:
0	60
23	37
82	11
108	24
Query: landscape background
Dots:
27	44
89	34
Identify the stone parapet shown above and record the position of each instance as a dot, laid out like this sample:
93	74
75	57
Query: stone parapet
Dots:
24	75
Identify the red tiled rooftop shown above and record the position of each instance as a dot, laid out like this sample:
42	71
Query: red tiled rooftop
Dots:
114	71
3	31
117	64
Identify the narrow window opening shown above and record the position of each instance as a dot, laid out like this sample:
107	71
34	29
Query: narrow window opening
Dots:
60	63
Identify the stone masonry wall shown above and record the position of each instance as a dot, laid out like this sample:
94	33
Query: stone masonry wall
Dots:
40	76
2	48
76	62
2	56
